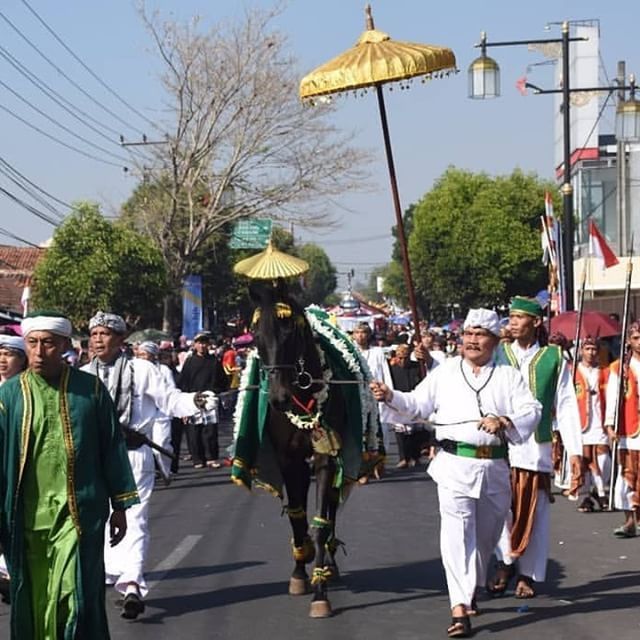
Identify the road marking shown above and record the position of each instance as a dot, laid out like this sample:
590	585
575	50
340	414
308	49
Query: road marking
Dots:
173	559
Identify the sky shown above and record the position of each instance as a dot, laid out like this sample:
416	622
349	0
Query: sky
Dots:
432	126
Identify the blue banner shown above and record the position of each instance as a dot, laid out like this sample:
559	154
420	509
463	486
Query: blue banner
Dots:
191	306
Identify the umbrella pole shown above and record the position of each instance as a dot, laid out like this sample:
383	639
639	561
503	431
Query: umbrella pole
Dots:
576	341
398	211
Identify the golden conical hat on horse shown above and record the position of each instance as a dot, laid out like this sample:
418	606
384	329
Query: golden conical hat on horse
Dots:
271	264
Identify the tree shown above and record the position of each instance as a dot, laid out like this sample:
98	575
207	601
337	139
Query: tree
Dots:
321	280
94	264
476	240
240	144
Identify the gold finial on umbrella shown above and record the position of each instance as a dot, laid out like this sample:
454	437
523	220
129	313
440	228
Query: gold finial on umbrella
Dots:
375	60
271	264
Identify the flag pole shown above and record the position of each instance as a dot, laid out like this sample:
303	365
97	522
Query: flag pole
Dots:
621	376
576	341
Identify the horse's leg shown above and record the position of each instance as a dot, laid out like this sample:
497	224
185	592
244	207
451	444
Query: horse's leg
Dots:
297	479
333	543
325	468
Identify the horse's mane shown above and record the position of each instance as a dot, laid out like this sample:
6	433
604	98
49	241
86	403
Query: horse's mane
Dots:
266	297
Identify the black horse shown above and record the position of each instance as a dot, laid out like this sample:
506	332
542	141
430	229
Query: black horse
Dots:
305	424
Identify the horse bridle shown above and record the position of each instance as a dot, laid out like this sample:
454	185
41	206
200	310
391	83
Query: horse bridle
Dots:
304	379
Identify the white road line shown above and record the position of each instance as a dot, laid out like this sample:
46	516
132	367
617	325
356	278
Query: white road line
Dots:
173	559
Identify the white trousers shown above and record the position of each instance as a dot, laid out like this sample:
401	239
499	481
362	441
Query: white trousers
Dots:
125	563
622	493
469	531
533	562
161	434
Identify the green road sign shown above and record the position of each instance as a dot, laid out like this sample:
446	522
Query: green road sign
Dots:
250	234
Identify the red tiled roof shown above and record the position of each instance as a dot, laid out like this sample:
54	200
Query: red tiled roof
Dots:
16	267
19	259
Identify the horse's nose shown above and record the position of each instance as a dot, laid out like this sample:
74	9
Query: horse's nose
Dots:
280	400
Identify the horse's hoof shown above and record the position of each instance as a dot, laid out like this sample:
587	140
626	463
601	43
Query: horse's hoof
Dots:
298	587
320	609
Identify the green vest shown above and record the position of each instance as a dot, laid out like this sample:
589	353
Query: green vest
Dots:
544	372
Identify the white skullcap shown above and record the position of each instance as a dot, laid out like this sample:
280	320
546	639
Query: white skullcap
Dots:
150	347
483	318
108	320
57	324
12	342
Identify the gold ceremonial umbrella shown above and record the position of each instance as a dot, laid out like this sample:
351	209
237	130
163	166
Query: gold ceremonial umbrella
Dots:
271	264
375	60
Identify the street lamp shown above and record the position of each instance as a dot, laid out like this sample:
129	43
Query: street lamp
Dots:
484	75
628	116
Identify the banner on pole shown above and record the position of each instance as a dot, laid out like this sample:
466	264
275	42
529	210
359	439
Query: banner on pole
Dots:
191	306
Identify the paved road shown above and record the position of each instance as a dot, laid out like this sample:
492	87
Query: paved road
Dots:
220	562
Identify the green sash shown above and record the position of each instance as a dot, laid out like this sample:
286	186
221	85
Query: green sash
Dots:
544	372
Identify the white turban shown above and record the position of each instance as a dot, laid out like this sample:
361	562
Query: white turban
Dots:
483	318
108	320
57	324
150	347
12	342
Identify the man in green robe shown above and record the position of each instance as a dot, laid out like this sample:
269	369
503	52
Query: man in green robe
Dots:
62	461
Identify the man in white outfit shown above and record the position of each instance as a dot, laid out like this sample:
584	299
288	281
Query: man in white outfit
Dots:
161	431
138	391
477	406
525	535
379	368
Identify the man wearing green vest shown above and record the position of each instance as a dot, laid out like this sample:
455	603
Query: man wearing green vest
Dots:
525	537
62	463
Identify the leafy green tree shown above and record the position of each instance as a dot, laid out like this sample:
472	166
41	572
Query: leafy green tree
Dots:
476	240
94	264
321	280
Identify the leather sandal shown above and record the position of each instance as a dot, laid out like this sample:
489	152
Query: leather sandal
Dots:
460	627
497	586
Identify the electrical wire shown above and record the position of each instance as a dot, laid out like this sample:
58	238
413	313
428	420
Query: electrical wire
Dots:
69	79
61	142
86	67
38	198
13	170
58	124
30	208
56	97
8	234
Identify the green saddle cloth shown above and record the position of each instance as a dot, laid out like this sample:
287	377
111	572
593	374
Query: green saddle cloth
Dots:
253	455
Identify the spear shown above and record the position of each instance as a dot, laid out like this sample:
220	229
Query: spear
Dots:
621	375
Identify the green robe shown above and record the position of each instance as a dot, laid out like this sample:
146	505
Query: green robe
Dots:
63	519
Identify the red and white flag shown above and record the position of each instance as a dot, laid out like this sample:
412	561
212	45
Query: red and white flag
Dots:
598	247
25	297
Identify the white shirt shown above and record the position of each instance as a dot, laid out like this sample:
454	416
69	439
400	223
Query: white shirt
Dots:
536	456
594	432
459	398
379	367
611	400
150	394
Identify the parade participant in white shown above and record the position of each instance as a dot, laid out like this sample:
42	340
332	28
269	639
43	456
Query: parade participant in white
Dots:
627	484
546	373
161	430
591	383
379	368
478	406
138	391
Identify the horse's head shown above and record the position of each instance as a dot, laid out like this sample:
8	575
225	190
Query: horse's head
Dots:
282	337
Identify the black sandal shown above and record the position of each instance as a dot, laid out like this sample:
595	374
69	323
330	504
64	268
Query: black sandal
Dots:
497	586
586	506
460	627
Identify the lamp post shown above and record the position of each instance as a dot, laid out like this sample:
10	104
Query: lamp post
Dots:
484	82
